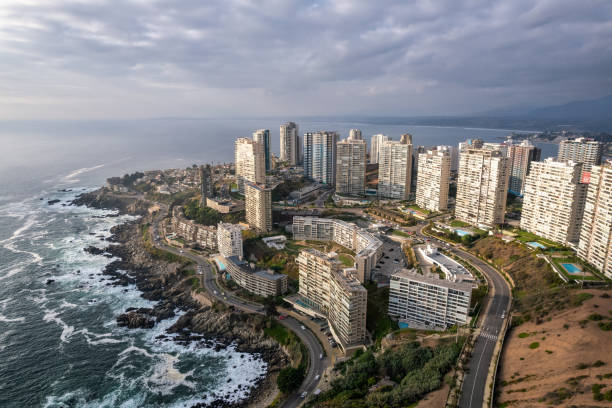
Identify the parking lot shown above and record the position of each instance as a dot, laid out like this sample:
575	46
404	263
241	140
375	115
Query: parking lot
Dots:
391	260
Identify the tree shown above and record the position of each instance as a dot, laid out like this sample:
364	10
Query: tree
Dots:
289	379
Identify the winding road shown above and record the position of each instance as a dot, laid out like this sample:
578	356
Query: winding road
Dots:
477	370
316	366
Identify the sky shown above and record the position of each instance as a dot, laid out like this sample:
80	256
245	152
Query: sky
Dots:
76	59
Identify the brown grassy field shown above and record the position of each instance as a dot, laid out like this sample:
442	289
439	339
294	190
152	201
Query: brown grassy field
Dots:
557	362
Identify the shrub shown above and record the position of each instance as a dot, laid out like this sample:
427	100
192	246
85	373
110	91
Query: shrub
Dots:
605	326
534	345
595	317
523	335
289	379
598	363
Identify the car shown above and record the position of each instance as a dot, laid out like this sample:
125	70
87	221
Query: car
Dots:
281	317
303	328
317	377
303	395
181	251
320	356
391	249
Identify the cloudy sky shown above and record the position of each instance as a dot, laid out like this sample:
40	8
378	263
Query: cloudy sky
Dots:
208	58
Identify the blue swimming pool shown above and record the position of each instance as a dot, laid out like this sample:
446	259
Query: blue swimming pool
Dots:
571	268
534	244
461	232
220	264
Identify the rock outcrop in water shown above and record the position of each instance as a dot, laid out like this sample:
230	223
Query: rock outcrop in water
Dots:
105	199
135	320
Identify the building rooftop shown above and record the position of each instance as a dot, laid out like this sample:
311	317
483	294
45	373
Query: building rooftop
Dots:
431	280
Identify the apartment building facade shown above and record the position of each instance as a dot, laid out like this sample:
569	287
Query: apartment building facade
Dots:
581	150
424	301
262	136
482	185
351	167
229	240
553	201
249	160
433	180
258	204
334	292
595	244
259	282
203	235
395	170
289	143
520	157
376	142
320	157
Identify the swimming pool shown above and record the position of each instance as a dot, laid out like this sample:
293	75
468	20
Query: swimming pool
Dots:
534	244
461	232
220	264
571	268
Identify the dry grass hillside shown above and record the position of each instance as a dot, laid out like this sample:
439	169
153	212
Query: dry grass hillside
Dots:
562	361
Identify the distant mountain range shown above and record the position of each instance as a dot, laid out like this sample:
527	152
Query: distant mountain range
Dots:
588	115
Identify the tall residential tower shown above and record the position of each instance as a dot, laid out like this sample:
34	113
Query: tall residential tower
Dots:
351	167
433	180
289	143
250	163
320	157
394	170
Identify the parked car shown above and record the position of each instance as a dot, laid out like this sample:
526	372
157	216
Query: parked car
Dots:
303	328
303	395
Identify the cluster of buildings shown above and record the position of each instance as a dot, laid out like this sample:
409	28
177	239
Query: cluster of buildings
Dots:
367	247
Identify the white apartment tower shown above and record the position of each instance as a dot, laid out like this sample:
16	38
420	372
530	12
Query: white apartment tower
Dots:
521	156
433	181
334	292
375	144
258	204
482	185
355	134
427	301
250	162
289	143
351	167
394	170
553	201
595	244
262	136
229	240
320	156
581	150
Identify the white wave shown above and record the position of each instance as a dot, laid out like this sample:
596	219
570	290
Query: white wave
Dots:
3	336
10	273
67	330
8	320
68	305
166	377
83	170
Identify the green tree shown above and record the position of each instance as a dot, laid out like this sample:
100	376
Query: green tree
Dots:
289	379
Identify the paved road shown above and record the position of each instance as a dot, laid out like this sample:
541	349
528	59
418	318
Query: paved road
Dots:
315	350
474	382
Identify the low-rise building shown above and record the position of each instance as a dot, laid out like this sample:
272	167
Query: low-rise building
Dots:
259	282
427	301
224	206
452	269
203	235
367	247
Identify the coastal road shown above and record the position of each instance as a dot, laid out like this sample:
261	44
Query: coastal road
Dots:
474	382
317	365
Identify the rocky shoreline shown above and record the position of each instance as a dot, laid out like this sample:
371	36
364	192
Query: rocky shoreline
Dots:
215	327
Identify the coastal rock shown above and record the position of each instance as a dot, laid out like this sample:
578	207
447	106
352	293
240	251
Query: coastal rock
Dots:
51	202
93	250
135	320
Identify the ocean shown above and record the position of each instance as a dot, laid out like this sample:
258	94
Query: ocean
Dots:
59	343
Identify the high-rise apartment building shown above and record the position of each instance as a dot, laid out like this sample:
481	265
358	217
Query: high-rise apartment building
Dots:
453	151
375	143
482	185
258	203
355	134
520	157
334	292
553	201
250	163
320	157
351	167
229	240
427	301
595	244
394	170
406	138
289	143
206	183
263	136
433	180
581	150
470	144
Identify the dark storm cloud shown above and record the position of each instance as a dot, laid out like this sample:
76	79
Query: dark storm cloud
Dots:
168	57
